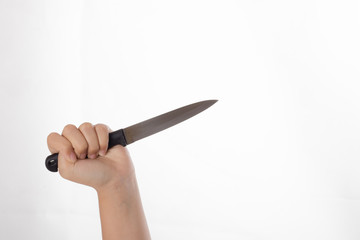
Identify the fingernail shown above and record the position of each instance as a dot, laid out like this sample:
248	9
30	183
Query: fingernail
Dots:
83	156
73	157
102	153
92	156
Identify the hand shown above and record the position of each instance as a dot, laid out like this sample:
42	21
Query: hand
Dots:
103	168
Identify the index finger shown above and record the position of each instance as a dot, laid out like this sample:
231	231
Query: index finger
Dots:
102	132
57	143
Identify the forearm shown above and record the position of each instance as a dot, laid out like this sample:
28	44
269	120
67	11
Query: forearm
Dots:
121	213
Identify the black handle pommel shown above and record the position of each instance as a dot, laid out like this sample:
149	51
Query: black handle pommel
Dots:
51	162
115	138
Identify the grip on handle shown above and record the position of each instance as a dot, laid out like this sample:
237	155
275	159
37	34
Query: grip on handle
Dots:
115	138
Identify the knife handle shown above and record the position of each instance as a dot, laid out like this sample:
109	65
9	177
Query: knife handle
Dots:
115	138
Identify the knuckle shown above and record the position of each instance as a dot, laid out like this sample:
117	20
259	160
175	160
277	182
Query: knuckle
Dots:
101	127
85	126
69	128
51	136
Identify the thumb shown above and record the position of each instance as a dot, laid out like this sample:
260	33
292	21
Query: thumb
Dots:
66	163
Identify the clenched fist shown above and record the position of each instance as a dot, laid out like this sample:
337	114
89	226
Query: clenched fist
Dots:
85	159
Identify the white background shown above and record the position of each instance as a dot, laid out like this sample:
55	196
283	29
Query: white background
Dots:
276	158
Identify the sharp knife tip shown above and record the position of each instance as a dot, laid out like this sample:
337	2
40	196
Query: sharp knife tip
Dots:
208	103
212	101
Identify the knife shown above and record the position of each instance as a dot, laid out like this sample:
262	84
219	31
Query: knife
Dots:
144	129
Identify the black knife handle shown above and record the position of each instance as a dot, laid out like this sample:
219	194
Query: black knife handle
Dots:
115	138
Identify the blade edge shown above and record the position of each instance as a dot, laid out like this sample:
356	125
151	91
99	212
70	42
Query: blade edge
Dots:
161	122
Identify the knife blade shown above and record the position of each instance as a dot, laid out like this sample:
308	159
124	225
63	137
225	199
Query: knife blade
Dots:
144	129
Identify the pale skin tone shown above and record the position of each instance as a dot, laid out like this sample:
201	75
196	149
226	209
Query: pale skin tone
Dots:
84	158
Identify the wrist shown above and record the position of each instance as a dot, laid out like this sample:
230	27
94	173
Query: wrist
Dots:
125	189
121	212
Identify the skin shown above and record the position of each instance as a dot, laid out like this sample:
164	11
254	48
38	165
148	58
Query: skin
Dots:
110	172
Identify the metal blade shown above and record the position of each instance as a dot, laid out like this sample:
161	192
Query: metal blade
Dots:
164	121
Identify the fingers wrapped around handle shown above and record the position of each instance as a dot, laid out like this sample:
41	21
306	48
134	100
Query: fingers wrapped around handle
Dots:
71	143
